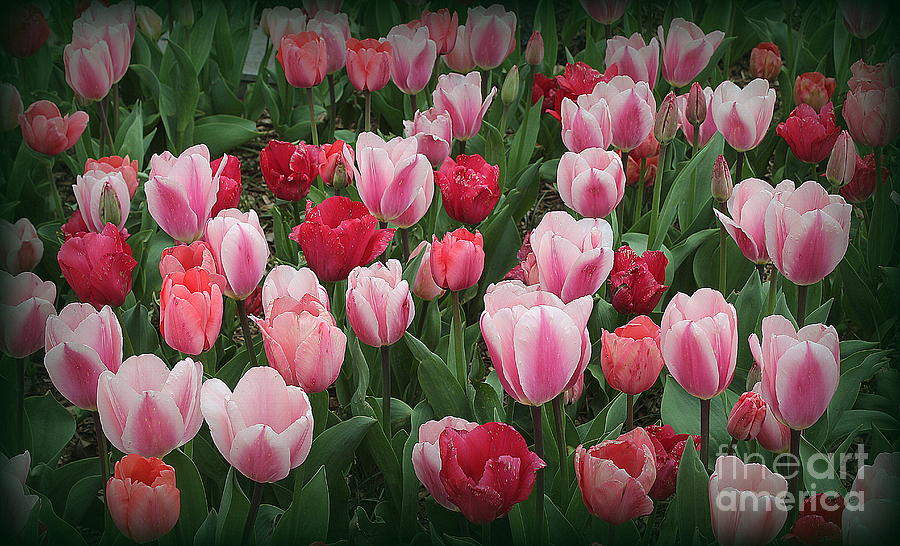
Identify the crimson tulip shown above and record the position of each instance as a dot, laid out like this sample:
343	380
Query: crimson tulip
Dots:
863	184
290	169
25	30
426	456
669	449
811	136
229	194
98	266
637	281
469	188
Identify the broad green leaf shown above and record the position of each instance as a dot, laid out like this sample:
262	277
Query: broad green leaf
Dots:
306	520
222	132
233	511
49	427
442	390
194	511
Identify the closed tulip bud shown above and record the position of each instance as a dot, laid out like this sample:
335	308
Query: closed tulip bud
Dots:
630	356
842	162
148	21
336	161
509	93
379	304
746	501
142	498
426	456
457	260
695	107
765	61
747	416
10	107
534	51
20	247
25	303
666	125
190	310
721	186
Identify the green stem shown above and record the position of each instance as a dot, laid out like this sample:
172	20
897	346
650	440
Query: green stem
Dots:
413	104
368	111
559	419
503	120
629	415
693	193
245	328
704	432
539	479
739	168
801	305
312	117
107	140
458	347
332	111
723	253
639	186
731	445
657	197
54	191
773	293
386	389
20	403
404	243
794	485
102	450
251	513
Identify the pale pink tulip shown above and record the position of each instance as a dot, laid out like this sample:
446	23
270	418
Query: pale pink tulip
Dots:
460	96
686	51
20	247
442	25
147	409
142	498
25	303
530	335
116	32
17	504
772	436
45	130
746	502
285	281
800	369
395	182
606	12
707	128
632	110
239	246
574	257
181	192
459	59
633	57
424	285
807	231
743	115
872	502
433	130
491	34
278	22
747	225
379	304
592	183
334	28
586	123
102	198
413	55
426	456
82	343
698	337
873	115
10	106
264	428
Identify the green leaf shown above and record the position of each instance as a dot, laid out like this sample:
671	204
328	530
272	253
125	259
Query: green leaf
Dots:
222	132
691	496
545	21
58	531
442	390
130	135
233	509
335	447
194	511
82	498
50	427
136	321
523	143
501	242
682	411
306	520
179	91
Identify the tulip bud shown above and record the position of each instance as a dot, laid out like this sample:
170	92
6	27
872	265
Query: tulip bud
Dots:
695	112
721	180
842	163
666	119
534	51
510	91
110	209
148	21
339	179
747	416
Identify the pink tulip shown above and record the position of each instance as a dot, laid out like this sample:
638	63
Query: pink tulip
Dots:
334	28
632	110
592	183
630	356
424	285
18	505
413	55
181	192
264	428
687	51
114	25
877	76
190	310
102	198
747	226
180	258
574	257
47	131
313	7
457	260
395	182
304	58
379	305
285	281
743	115
862	18
698	337
240	249
634	58
530	336
807	231
800	369
873	115
368	63
303	342
746	502
442	25
20	247
426	456
459	59
25	303
433	130
586	123
707	128
460	96
772	436
492	35
747	416
842	160
82	343
279	21
872	503
606	12
10	106
147	409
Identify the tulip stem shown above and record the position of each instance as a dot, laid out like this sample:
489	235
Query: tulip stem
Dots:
559	418
386	389
732	445
20	403
312	117
801	305
54	191
773	293
251	513
462	147
368	110
652	244
413	104
723	253
404	243
103	105
539	451
245	328
458	345
629	415
332	121
704	432
639	186
794	485
102	450
693	194
739	168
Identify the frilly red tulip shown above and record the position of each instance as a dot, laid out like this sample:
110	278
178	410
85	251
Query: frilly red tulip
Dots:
637	282
814	89
634	58
413	54
864	183
630	356
686	50
379	304
433	130
426	456
669	449
20	247
279	21
289	169
606	12
810	136
190	310
459	59
743	115
125	166
230	187
25	30
492	35
460	96
746	501
304	57
290	285
469	188
47	131
424	285
102	198
334	28
143	500
747	416
873	115
368	63
747	206
457	260
182	191
98	266
592	182
819	520
25	303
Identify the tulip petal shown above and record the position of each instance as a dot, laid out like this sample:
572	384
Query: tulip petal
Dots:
258	454
546	358
154	426
75	371
807	379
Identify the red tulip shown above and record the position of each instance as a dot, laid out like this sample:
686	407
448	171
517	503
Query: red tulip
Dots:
814	529
98	266
747	416
142	498
765	61
368	63
811	136
630	356
125	166
304	57
290	169
814	89
469	188
229	194
335	169
633	170
338	235
669	448
863	185
637	281
25	30
457	260
487	470
190	310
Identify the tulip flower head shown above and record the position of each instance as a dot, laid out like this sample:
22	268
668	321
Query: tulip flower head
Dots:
747	502
457	260
239	246
230	187
379	303
25	303
765	61
190	309
143	500
279	21
747	205
591	182
433	130
686	51
426	456
669	450
469	188
45	130
630	355
124	166
103	198
413	53
743	115
814	89
842	161
811	136
304	57
460	97
637	282
747	416
20	247
634	58
696	106
864	182
334	28
286	283
491	33
368	63
98	266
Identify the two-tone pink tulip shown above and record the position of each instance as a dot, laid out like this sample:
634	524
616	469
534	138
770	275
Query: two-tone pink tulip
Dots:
102	198
413	55
459	58
460	97
746	502
585	123
632	110
20	247
592	182
433	130
743	115
491	33
239	246
288	282
686	51
634	57
279	21
25	303
442	25
747	224
181	192
426	456
424	285
379	303
334	28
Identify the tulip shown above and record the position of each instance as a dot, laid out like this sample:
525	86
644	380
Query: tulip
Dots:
800	369
459	59
689	108
863	184
442	25
633	170
457	260
148	21
669	450
606	12
290	169
867	77
630	356
526	268
765	61
615	476
433	130
807	231
313	7
586	124
486	470
666	122
696	104
48	132
182	191
368	63
534	50
25	30
529	334
338	235
230	187
469	188
180	258
819	520
13	475
634	58
721	186
592	182
240	249
637	281
772	436
747	207
264	428
336	165
814	89
25	303
424	285
580	79
20	247
303	342
492	35
81	343
304	58
124	166
869	519
142	498
460	97
743	115
574	257
647	149
102	198
872	116
810	136
426	456
687	51
747	416
334	28
10	107
190	310
379	304
279	21
632	110
395	182
698	337
116	30
98	266
412	57
842	161
862	18
291	285
747	502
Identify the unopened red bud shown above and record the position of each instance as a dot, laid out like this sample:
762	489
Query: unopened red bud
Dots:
695	110
666	119
534	51
721	180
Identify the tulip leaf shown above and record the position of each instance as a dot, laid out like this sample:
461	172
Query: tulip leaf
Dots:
545	22
691	501
442	390
421	414
58	531
82	498
139	329
222	132
523	143
306	520
336	446
749	304
130	136
193	496
49	426
682	411
233	510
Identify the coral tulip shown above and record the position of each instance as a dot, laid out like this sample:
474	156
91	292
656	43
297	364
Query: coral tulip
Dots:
336	166
239	246
304	58
469	188
190	310
747	416
379	304
180	258
424	285
746	501
25	303
686	51
866	77
457	260
747	206
98	266
814	89
634	58
765	61
460	97
47	131
637	282
143	500
412	57
286	282
181	192
630	356
592	182
368	63
20	247
743	115
426	456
